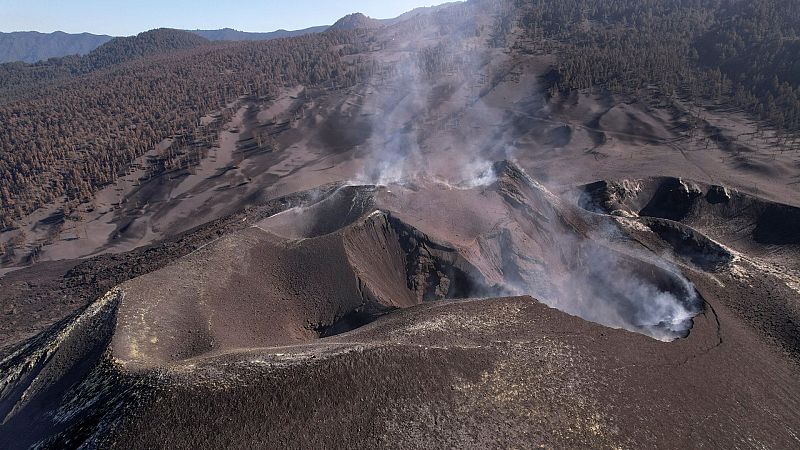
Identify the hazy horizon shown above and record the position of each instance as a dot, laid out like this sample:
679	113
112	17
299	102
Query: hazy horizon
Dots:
117	18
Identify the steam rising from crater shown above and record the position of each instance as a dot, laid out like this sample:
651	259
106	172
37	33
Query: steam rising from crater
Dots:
636	292
432	126
429	117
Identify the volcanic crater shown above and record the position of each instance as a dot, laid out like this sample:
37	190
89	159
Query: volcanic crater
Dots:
312	271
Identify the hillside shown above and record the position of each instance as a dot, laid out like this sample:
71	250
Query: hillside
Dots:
192	89
149	43
423	10
31	46
356	21
651	59
730	53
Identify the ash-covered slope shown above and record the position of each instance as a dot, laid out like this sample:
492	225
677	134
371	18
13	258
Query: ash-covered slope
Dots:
338	321
316	270
255	290
715	228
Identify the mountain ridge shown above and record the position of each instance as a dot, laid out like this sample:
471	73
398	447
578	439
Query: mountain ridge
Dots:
356	21
144	44
33	46
231	34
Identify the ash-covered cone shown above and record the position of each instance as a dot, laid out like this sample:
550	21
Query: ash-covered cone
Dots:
518	238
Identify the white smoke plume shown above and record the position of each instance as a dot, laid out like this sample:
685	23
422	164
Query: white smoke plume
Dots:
431	122
430	119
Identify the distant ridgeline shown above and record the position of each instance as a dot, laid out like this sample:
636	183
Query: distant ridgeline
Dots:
30	46
72	125
229	34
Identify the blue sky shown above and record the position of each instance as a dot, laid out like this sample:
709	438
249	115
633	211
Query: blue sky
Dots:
122	18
